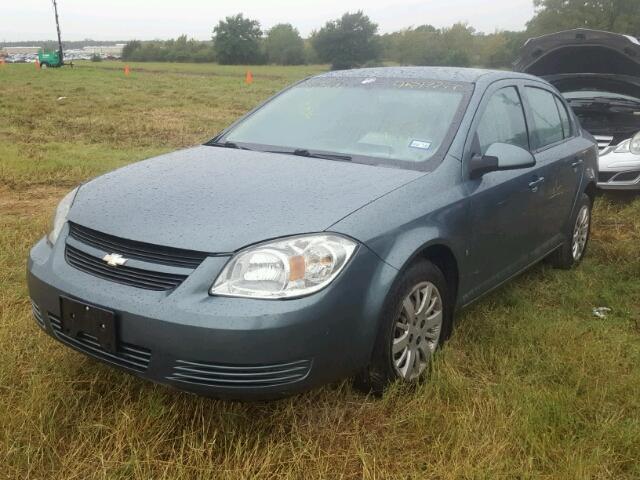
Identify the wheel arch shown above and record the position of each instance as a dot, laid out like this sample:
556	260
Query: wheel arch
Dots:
440	253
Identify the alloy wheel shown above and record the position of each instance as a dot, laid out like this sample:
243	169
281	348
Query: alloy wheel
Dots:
580	233
417	331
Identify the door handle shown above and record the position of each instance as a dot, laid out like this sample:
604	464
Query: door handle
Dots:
535	184
577	163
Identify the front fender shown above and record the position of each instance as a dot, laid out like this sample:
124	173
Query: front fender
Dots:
432	210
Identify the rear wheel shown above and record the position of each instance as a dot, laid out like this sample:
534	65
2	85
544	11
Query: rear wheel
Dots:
44	65
574	249
417	319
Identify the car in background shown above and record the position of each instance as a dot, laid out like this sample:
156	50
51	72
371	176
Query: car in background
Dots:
599	75
332	231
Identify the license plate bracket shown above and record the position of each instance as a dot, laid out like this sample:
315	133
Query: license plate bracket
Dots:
78	318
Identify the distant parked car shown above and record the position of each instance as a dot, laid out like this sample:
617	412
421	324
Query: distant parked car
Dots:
332	231
599	75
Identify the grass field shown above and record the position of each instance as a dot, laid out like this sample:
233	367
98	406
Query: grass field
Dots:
531	384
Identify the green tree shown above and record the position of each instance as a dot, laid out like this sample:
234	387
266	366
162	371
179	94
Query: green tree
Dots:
130	48
310	54
284	46
426	45
181	49
499	49
417	46
460	45
622	16
490	50
237	41
347	42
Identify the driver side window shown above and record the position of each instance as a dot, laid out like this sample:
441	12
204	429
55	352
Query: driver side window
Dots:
503	121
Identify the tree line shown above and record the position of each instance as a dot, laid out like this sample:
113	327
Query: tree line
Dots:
353	39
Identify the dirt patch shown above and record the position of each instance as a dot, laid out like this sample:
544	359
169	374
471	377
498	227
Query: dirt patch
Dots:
27	201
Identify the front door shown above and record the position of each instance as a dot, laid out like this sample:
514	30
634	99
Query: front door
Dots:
502	202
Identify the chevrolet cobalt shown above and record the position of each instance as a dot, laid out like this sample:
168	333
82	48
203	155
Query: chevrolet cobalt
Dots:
331	232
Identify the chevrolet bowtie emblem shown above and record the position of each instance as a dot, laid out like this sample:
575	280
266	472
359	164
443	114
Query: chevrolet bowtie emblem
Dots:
114	259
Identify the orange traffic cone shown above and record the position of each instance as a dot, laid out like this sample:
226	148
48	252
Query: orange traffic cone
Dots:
248	79
37	64
2	62
127	70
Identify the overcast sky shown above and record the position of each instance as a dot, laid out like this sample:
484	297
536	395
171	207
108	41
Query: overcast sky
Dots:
162	19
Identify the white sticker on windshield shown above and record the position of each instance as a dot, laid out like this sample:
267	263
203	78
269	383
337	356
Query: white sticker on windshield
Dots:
420	144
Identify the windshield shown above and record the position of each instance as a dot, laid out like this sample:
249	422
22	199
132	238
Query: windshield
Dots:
367	120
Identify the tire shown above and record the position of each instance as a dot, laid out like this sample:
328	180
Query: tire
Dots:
44	65
571	253
422	336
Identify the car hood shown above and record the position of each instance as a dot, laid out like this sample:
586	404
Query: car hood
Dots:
580	51
219	200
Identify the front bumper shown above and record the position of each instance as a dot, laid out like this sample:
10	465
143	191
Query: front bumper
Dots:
618	171
221	346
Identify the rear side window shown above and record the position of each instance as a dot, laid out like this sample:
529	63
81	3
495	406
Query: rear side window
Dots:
503	121
547	126
564	118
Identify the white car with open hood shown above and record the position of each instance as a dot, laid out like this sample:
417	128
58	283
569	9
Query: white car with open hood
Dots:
599	75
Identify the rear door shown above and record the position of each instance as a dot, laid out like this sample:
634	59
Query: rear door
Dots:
559	165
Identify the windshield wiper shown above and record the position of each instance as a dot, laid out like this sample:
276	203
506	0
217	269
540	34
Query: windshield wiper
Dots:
303	152
226	145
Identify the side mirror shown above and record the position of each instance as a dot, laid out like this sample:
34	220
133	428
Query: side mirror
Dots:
500	156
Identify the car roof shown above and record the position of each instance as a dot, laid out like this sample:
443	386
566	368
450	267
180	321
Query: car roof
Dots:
456	74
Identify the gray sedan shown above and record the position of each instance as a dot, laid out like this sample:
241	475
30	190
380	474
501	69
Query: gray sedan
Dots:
331	232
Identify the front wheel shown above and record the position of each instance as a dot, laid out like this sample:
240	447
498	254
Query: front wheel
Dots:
416	320
574	249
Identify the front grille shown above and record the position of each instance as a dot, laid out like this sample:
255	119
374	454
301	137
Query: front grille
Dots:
239	376
603	141
137	250
128	356
37	314
133	277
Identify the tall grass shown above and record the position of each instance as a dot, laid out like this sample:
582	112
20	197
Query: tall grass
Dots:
531	384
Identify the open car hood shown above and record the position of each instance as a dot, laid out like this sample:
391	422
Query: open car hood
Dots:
580	51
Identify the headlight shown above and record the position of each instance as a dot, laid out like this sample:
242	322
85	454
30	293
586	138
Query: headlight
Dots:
634	145
623	147
286	268
60	216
